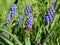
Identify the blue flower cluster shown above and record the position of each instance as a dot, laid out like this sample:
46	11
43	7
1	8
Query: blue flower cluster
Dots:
49	15
28	23
27	11
11	13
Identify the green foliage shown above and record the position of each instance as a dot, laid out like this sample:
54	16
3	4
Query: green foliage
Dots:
45	33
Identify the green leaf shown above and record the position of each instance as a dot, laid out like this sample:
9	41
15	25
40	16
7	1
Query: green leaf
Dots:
27	39
6	39
15	38
2	43
55	20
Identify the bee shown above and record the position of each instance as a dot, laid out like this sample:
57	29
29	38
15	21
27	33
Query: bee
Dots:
28	30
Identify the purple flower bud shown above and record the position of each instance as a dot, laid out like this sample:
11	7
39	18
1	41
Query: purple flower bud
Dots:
51	13
14	6
26	13
8	20
50	18
13	12
29	26
52	7
28	23
28	7
46	18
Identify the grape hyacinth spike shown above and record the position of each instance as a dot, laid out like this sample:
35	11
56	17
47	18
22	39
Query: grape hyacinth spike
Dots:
12	12
28	23
49	15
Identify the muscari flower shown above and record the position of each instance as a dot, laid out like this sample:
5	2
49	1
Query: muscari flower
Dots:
49	15
12	12
28	23
27	11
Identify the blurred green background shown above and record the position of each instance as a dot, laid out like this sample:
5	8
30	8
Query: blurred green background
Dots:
44	33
